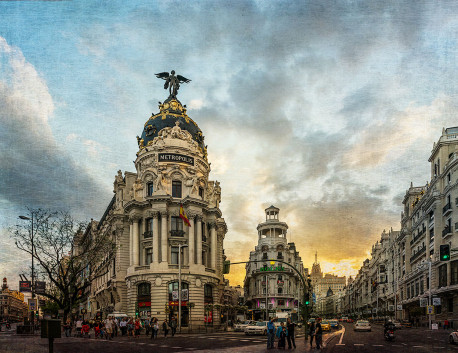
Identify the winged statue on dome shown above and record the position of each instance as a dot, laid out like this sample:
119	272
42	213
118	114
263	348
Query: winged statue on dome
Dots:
172	82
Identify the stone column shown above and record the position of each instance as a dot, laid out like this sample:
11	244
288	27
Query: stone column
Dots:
155	238
191	241
135	243
449	274
164	236
199	240
131	238
213	245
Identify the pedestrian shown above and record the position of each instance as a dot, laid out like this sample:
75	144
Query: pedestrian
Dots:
130	327
446	324
68	328
137	328
312	333
115	326
109	329
147	326
123	326
79	325
283	335
165	328
290	327
270	333
173	325
154	327
318	333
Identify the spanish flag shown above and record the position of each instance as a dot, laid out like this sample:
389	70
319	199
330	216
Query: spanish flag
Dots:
183	216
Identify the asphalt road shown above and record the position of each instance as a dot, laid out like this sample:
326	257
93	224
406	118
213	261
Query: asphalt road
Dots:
414	340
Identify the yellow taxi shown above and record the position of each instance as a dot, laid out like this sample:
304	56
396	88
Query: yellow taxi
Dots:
325	325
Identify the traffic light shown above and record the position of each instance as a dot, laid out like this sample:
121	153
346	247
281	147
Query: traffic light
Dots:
307	298
444	251
226	266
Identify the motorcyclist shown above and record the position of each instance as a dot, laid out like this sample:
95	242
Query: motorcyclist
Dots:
389	326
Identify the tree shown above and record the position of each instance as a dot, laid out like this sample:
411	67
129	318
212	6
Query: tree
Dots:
64	250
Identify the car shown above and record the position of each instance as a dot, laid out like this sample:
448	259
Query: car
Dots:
350	320
406	324
453	337
325	325
298	324
344	319
397	325
334	323
257	328
362	325
241	326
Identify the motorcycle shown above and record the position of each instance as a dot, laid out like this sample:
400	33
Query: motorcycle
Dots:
389	335
8	326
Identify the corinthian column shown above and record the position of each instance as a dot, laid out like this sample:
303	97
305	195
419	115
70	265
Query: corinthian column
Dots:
199	240
164	237
191	240
213	244
135	242
131	238
155	238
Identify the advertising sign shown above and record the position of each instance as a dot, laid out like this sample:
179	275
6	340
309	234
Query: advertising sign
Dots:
40	287
399	307
174	157
32	304
423	302
184	294
25	286
175	295
436	301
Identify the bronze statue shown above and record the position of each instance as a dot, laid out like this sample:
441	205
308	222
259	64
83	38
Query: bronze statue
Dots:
172	82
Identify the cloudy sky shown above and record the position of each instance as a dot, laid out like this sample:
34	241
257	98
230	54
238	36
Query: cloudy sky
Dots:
326	109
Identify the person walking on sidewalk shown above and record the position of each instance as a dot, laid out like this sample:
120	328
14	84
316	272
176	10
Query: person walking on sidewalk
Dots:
173	325
270	333
165	328
290	327
312	333
281	334
318	334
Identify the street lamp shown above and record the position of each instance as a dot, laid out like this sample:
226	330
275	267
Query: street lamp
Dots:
32	314
179	284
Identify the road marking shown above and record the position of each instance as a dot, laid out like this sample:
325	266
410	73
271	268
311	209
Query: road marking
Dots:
177	347
404	344
417	346
341	337
378	345
340	344
358	344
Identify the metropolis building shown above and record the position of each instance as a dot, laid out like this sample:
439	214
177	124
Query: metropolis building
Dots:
272	282
143	219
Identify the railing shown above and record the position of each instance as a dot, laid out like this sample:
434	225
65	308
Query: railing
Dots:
148	234
431	234
447	207
264	257
418	253
280	257
177	233
447	230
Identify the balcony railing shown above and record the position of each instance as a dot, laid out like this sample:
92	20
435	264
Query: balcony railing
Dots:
280	257
148	234
431	234
264	257
447	209
177	233
418	253
447	230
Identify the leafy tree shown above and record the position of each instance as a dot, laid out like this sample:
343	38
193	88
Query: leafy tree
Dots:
65	251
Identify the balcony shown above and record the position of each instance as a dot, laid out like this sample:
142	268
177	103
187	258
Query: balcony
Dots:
280	257
264	257
418	253
431	234
447	231
447	209
177	233
148	234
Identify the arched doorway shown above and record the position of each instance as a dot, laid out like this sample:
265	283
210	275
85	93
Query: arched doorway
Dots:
143	300
173	302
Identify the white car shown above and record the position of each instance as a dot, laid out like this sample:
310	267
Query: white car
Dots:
257	328
362	325
241	326
453	337
397	325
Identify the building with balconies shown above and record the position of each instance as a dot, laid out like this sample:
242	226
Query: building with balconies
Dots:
271	285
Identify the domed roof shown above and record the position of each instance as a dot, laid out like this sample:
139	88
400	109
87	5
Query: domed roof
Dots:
171	111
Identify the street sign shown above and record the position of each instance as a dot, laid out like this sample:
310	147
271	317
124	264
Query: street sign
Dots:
184	294
40	287
175	295
399	307
262	306
436	301
434	326
430	310
423	302
32	304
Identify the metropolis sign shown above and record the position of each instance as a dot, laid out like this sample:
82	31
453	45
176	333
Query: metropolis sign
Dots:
174	157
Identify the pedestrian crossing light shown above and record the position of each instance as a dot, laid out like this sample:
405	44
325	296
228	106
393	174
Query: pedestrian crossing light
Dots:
444	251
226	266
307	299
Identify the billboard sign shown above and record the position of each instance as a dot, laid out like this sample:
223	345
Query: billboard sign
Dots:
25	286
40	287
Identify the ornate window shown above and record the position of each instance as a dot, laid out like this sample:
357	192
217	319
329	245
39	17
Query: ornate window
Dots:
174	257
149	255
144	289
265	248
176	188
150	189
201	192
176	227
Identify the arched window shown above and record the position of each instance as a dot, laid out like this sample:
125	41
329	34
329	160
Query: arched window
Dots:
208	294
144	289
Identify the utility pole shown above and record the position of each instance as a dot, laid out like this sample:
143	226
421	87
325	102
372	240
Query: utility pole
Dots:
32	313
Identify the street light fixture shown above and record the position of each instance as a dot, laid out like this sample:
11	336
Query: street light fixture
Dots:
32	314
179	284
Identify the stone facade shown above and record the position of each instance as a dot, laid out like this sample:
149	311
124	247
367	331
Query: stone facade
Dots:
398	271
283	287
144	220
12	305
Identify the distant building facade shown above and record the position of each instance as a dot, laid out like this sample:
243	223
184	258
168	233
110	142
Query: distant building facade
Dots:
273	285
12	305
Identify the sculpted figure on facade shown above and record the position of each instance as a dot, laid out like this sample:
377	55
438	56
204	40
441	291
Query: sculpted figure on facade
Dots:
138	188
